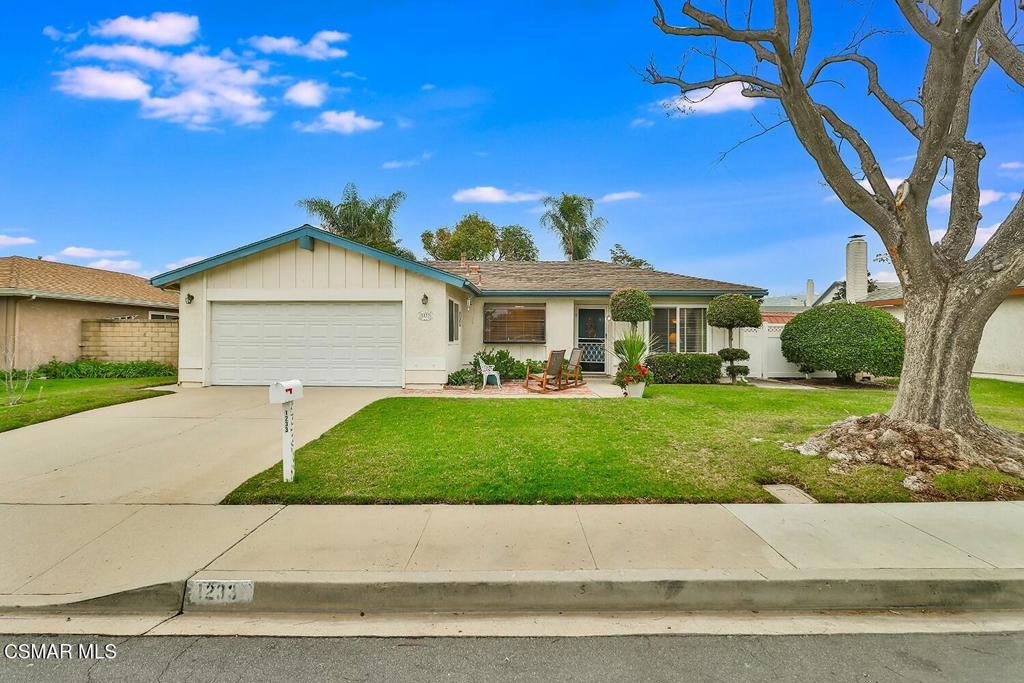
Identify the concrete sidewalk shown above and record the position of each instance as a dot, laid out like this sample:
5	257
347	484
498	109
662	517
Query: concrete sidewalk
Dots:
447	558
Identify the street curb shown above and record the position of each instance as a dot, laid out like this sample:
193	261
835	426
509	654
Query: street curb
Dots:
160	597
619	591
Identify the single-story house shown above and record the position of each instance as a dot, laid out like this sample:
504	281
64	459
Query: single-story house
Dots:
307	304
1001	353
43	304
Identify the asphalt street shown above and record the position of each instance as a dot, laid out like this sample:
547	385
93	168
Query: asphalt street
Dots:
733	659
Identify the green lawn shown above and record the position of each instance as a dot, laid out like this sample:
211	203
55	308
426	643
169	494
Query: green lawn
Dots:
52	398
683	443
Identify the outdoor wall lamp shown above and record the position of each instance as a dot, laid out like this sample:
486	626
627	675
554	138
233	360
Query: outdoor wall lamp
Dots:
189	298
425	299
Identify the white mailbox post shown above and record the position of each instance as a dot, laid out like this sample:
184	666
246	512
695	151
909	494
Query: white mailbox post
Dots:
286	393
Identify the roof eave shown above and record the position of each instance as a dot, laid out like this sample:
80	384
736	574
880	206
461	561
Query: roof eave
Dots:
609	292
92	298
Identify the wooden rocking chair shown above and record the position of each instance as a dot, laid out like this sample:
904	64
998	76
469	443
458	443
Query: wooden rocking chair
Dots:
549	379
572	375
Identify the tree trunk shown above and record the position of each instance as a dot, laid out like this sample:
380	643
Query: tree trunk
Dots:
931	427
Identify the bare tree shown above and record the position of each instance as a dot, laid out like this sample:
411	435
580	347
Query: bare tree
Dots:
949	293
15	382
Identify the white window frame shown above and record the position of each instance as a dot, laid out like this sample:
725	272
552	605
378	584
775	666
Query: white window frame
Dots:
162	315
679	331
457	328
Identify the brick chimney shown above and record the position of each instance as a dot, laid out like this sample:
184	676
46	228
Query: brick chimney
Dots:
856	268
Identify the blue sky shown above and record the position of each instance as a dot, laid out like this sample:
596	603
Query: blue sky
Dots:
135	140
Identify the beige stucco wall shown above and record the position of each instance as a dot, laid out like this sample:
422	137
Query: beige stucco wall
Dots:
45	329
1001	351
327	273
121	341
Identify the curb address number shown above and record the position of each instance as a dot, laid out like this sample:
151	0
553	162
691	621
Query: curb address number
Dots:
214	592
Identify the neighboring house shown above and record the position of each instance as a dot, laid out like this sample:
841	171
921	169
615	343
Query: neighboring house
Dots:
310	305
1001	352
43	304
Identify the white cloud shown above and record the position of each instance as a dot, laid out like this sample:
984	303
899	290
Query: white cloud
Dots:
8	241
893	183
728	97
197	89
351	74
344	122
122	266
407	163
181	263
985	198
56	34
488	194
620	196
641	122
1011	165
89	252
94	82
403	122
886	276
307	93
320	46
428	86
159	28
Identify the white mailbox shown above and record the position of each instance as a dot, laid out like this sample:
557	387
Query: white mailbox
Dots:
285	393
288	390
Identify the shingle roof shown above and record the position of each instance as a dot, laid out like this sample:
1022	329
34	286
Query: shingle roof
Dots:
577	276
67	281
883	294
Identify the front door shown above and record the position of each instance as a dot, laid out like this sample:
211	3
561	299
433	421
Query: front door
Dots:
590	338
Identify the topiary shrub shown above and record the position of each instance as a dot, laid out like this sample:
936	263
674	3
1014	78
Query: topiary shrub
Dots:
737	371
685	368
846	339
632	306
731	311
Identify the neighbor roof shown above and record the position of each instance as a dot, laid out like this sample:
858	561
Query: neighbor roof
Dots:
581	277
893	293
20	276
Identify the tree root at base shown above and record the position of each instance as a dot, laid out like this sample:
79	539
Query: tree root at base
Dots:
918	449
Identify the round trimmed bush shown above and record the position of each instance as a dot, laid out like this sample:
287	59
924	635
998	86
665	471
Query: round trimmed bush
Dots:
845	338
730	354
632	306
734	310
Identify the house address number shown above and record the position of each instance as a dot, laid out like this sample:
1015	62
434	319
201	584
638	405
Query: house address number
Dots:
212	592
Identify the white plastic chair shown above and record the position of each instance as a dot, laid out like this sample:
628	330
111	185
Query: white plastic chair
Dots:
488	371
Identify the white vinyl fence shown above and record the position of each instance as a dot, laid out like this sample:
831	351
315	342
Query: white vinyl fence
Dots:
765	347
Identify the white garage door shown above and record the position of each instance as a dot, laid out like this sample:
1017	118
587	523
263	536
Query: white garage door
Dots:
322	343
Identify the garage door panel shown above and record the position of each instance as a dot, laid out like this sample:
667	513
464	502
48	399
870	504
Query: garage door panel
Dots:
322	343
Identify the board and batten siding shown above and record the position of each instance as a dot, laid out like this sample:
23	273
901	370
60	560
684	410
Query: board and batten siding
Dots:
327	273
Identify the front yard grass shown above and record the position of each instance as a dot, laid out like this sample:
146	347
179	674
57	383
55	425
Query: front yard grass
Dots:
52	398
683	443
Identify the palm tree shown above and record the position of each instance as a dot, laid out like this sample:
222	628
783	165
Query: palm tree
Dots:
367	221
570	216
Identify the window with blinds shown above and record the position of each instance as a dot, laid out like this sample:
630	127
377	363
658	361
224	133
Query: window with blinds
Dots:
514	323
679	329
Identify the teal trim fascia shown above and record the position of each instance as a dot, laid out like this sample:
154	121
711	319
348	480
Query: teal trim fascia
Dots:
609	292
300	234
306	242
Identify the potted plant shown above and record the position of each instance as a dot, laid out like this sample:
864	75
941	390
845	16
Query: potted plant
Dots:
633	375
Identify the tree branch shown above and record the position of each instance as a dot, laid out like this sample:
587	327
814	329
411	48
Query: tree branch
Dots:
921	25
711	25
874	88
868	162
999	46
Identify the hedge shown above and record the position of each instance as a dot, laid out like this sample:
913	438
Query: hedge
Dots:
94	369
845	338
685	368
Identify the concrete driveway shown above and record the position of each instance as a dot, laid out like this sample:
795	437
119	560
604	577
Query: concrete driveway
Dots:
193	446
